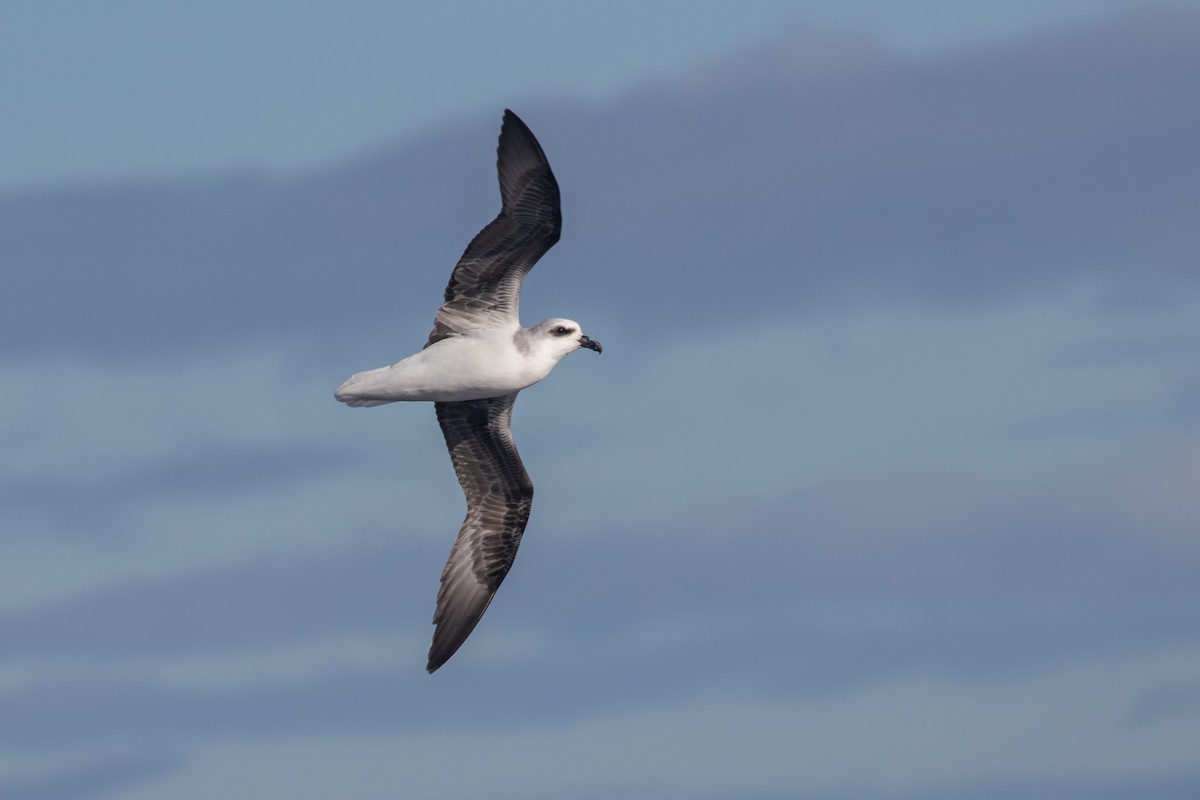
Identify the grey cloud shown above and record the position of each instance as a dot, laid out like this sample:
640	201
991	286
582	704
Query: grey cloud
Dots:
868	544
954	178
94	507
84	781
1171	701
1168	787
1172	787
911	576
255	601
75	713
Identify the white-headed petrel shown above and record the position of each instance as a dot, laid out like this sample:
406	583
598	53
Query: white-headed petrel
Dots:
477	359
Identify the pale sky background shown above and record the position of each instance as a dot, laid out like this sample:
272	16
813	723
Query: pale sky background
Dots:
884	487
138	88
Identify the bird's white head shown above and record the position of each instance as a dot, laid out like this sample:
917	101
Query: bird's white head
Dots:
557	337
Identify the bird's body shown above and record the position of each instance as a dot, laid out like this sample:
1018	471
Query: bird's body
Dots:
493	362
476	360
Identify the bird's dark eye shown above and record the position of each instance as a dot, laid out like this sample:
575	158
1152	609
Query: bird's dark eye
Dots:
561	330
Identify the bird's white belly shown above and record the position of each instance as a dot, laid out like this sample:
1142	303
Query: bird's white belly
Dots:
447	371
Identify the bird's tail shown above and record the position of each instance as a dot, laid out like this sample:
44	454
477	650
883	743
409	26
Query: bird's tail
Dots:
357	392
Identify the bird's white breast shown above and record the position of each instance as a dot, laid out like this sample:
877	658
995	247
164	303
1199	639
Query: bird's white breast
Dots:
457	368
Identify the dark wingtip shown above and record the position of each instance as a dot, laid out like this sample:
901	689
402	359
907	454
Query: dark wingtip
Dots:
453	623
442	650
522	165
437	659
516	133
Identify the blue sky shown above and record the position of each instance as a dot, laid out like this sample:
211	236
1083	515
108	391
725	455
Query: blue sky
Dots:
136	88
884	486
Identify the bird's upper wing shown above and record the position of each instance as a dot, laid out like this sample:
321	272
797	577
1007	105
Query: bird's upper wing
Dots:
485	286
499	497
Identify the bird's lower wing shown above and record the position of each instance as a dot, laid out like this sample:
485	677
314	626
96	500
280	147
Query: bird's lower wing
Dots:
499	496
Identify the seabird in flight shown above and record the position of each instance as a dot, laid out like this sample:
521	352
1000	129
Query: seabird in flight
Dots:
477	359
